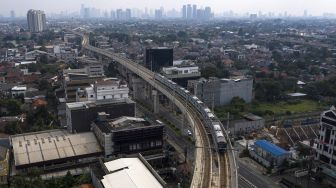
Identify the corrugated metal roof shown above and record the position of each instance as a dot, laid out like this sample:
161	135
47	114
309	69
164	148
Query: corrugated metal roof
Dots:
271	148
51	145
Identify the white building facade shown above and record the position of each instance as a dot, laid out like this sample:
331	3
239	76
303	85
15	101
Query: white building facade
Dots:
326	148
109	88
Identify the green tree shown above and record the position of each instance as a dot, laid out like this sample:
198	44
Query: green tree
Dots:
83	179
13	128
111	70
68	180
43	58
13	106
44	85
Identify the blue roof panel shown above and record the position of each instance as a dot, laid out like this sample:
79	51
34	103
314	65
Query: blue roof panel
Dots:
271	148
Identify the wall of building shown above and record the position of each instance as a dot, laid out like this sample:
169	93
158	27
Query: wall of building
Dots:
220	92
266	158
326	148
241	127
155	59
80	120
231	89
138	140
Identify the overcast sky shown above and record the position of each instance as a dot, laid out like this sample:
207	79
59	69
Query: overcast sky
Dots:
314	7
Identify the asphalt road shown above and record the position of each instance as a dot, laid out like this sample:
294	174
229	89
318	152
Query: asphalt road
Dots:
255	177
243	184
179	140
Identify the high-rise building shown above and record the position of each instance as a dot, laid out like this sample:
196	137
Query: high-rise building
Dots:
157	58
158	14
119	14
189	11
194	13
82	11
128	14
184	11
36	20
12	14
86	13
113	14
207	13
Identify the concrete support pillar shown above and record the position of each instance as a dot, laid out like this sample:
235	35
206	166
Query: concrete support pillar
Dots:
155	101
100	58
148	92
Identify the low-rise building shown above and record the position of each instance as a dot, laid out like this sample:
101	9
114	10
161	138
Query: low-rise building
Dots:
269	154
215	91
133	172
247	124
65	53
327	138
181	72
79	79
326	147
108	88
53	149
128	135
18	91
79	115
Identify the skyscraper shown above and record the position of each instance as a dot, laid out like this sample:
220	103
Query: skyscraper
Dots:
158	14
12	14
119	14
207	13
128	14
86	13
36	20
194	13
189	11
82	11
184	12
113	14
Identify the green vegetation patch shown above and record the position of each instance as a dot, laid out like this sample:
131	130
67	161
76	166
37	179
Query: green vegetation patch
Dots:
301	106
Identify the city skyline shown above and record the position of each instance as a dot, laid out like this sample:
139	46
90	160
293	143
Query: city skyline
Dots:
295	8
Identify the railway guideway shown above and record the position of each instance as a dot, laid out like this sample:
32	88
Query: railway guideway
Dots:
199	175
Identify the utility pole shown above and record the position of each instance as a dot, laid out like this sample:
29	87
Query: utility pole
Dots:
213	102
228	121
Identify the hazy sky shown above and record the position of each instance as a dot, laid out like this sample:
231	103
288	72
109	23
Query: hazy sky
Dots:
315	7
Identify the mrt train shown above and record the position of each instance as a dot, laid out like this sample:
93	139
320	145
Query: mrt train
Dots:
206	115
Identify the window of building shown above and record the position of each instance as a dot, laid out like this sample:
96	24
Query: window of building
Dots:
324	158
152	144
325	148
333	162
91	96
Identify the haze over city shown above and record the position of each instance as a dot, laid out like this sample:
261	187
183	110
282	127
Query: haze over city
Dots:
296	7
168	93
